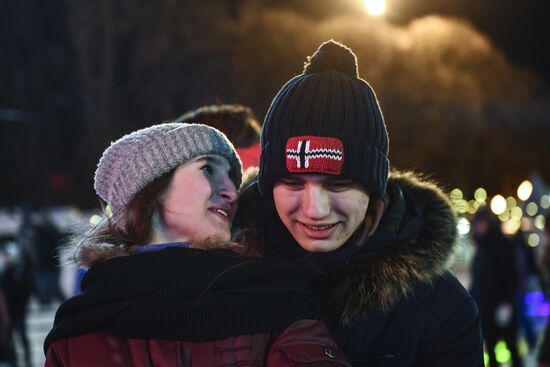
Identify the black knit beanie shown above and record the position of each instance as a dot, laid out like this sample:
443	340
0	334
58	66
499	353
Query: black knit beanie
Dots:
326	120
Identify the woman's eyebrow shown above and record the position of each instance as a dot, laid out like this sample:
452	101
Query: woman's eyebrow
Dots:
211	160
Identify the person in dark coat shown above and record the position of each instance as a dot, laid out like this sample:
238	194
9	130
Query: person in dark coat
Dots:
495	285
544	350
16	281
166	285
377	247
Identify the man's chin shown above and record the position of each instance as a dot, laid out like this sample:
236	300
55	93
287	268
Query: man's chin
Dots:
319	246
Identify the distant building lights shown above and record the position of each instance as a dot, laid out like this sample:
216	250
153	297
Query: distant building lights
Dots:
540	222
480	195
525	190
502	354
473	206
95	219
510	227
516	213
533	240
531	209
456	195
498	204
463	226
504	216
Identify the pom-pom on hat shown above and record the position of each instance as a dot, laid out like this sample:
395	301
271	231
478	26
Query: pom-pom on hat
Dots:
137	159
326	120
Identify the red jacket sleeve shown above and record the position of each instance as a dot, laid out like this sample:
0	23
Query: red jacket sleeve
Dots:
305	343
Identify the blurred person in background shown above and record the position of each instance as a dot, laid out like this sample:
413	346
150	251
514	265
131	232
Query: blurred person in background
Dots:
544	353
530	278
167	285
7	350
17	283
376	244
237	122
495	285
42	239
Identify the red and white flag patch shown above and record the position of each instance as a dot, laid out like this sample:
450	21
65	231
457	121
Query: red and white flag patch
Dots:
314	154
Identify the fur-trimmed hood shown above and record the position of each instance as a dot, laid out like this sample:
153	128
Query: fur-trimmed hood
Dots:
413	244
417	243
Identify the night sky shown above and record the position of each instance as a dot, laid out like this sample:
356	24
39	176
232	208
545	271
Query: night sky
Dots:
473	76
519	28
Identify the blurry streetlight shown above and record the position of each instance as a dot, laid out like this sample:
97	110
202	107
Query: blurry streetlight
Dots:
498	204
525	190
540	222
480	194
531	209
456	194
510	227
516	213
463	226
533	240
375	7
95	219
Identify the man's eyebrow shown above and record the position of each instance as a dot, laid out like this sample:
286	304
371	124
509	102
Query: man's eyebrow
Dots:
340	179
293	179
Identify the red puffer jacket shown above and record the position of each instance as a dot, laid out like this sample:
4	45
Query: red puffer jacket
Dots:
305	342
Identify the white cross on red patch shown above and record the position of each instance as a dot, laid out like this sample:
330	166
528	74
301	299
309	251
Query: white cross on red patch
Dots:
314	154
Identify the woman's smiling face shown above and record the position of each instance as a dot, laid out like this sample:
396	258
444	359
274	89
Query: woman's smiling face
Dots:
200	201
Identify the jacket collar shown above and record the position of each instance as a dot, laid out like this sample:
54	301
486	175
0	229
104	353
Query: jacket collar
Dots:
414	243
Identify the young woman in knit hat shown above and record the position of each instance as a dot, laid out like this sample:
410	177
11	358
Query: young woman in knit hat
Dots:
376	243
166	286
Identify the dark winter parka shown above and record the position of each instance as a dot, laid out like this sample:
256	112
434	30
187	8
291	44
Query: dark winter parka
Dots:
390	301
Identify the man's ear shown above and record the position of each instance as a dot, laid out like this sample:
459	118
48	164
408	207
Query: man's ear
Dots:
375	214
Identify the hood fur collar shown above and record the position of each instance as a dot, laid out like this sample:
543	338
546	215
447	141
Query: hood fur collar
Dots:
380	281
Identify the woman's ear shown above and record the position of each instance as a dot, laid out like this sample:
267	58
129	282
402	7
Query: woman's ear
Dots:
375	214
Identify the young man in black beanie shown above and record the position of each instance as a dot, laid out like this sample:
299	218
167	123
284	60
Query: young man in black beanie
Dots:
376	244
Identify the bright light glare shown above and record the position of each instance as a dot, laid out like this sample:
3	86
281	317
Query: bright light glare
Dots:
510	202
498	204
533	240
516	213
502	354
525	190
375	7
504	216
510	227
456	194
531	209
473	206
545	201
95	219
480	194
540	222
463	226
